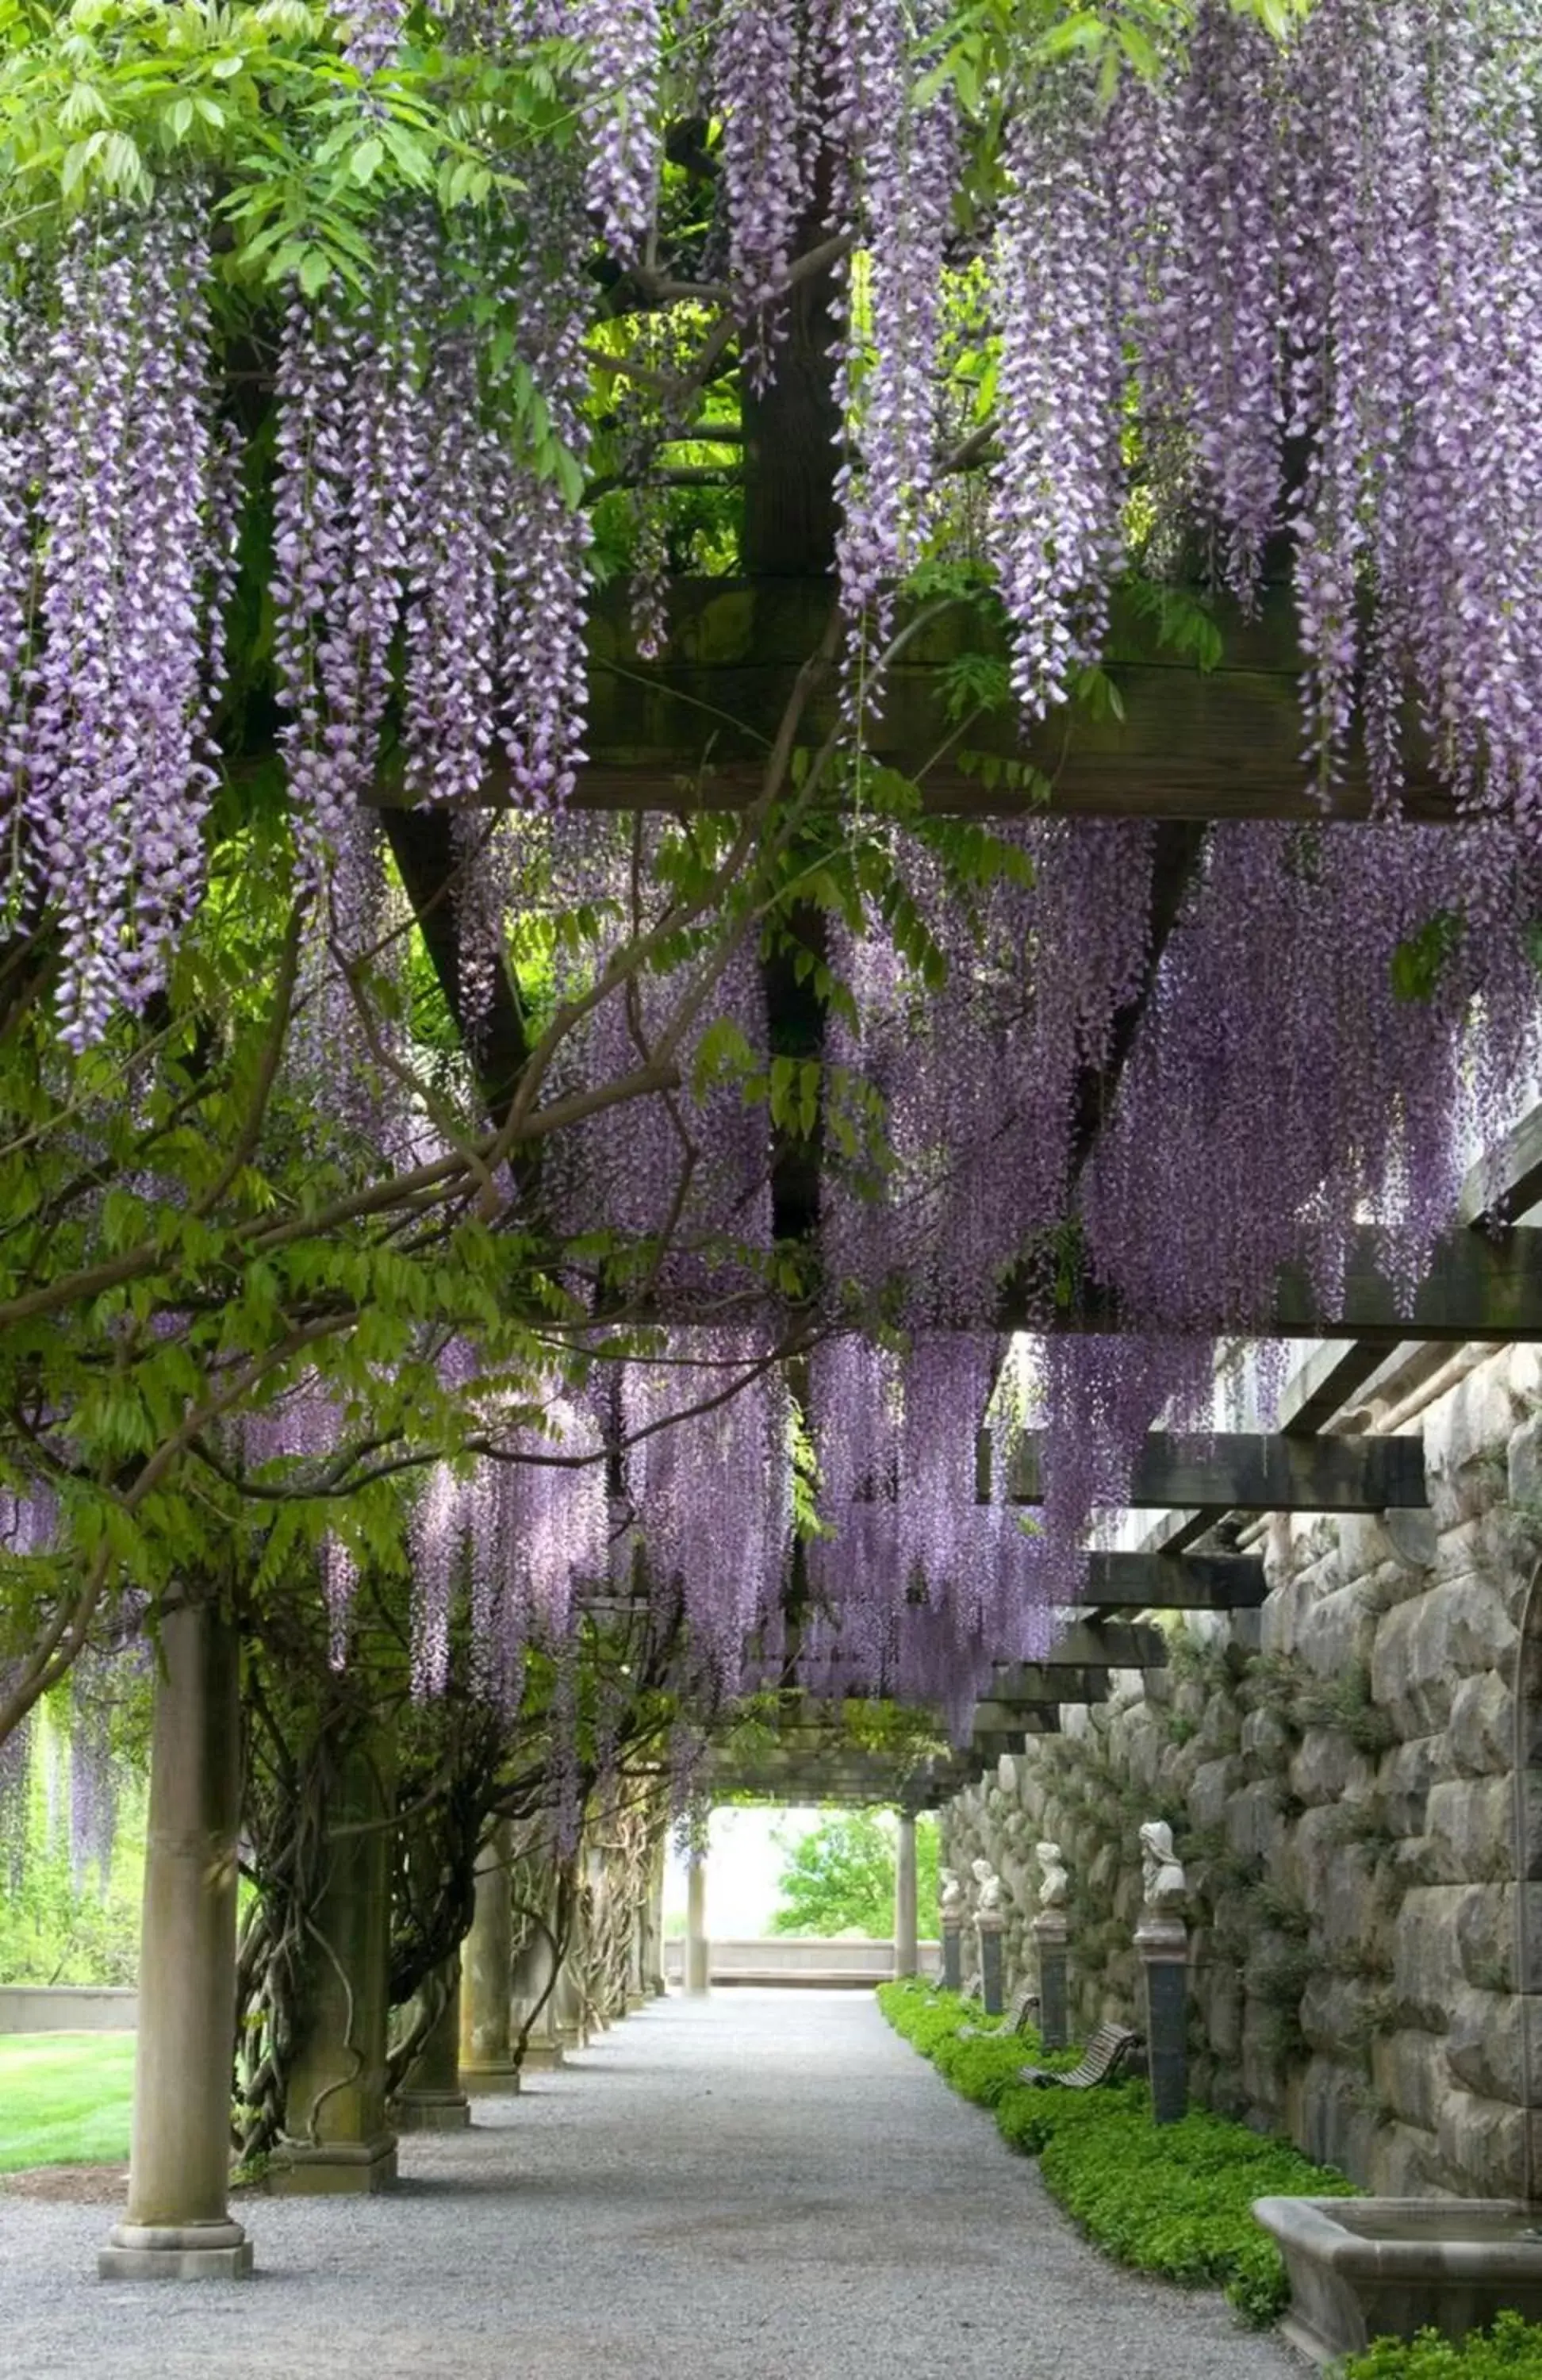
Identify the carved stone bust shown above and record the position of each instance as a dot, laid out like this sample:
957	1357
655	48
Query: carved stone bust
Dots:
1055	1880
950	1895
1166	1887
988	1899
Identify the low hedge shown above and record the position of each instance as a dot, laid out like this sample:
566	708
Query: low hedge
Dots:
1175	2201
1511	2350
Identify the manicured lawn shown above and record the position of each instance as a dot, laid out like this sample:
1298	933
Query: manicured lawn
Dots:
65	2099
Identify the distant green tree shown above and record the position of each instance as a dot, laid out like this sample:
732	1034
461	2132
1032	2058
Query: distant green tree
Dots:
839	1879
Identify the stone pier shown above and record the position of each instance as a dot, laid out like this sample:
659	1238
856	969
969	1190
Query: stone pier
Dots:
487	1974
698	1949
178	2225
907	1953
432	2100
336	2137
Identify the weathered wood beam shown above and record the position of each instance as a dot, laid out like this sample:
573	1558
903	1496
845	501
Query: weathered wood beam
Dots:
1034	1686
1477	1287
692	728
1105	1644
1255	1473
988	1744
1161	1582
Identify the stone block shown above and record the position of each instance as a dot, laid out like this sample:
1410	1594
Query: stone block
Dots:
1423	1648
1408	2070
1471	1829
1340	1632
1254	1826
1363	1545
1483	2048
1333	1879
1266	1744
1332	2010
1484	1922
1210	1794
1329	2117
1404	2162
1427	1959
1404	1778
1482	1728
1326	1767
1480	2144
1466	1436
1524	1465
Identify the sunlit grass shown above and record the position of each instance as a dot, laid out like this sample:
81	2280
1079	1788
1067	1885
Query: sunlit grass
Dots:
65	2099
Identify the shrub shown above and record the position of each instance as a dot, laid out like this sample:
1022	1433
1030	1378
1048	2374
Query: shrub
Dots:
1175	2201
1511	2350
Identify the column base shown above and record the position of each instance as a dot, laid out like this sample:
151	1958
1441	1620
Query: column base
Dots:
636	2001
175	2252
431	2111
503	2077
335	2169
542	2057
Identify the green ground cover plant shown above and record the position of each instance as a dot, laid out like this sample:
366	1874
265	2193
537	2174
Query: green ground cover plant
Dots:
1175	2202
1510	2350
65	2099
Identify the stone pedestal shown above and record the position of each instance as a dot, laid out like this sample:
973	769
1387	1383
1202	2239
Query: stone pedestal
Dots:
336	2137
953	1954
432	2100
1162	1942
992	1997
486	1976
1051	1934
698	1949
908	1950
178	2225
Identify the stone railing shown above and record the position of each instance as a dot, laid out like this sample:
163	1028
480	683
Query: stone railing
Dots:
67	2008
795	1959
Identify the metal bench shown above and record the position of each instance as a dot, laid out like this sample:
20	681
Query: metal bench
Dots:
1020	2012
1111	2050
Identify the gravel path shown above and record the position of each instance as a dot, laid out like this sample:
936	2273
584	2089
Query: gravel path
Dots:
763	2186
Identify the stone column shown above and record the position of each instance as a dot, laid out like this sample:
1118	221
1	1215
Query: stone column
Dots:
432	2100
952	1952
336	2136
486	1974
1051	1934
654	1976
178	2223
988	1926
907	1953
532	1967
1163	1940
698	1949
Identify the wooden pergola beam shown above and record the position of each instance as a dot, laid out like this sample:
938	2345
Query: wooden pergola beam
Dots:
1254	1471
691	728
1477	1287
1103	1644
1161	1582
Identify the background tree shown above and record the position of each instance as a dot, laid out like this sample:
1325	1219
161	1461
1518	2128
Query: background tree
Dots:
839	1879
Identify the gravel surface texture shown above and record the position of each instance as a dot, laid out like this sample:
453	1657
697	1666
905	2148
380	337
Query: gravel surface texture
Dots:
761	2186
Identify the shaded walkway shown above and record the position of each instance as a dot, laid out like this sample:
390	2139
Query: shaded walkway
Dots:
766	2186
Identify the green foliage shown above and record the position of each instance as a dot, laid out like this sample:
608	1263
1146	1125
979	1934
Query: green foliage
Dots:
56	1927
101	99
1510	2350
839	1879
1175	2201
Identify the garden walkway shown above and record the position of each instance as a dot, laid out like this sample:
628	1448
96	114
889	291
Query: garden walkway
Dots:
764	2186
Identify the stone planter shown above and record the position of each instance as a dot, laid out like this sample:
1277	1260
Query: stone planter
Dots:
1362	2268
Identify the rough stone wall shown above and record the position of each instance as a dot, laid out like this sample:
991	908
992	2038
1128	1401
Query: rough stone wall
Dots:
1338	1770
